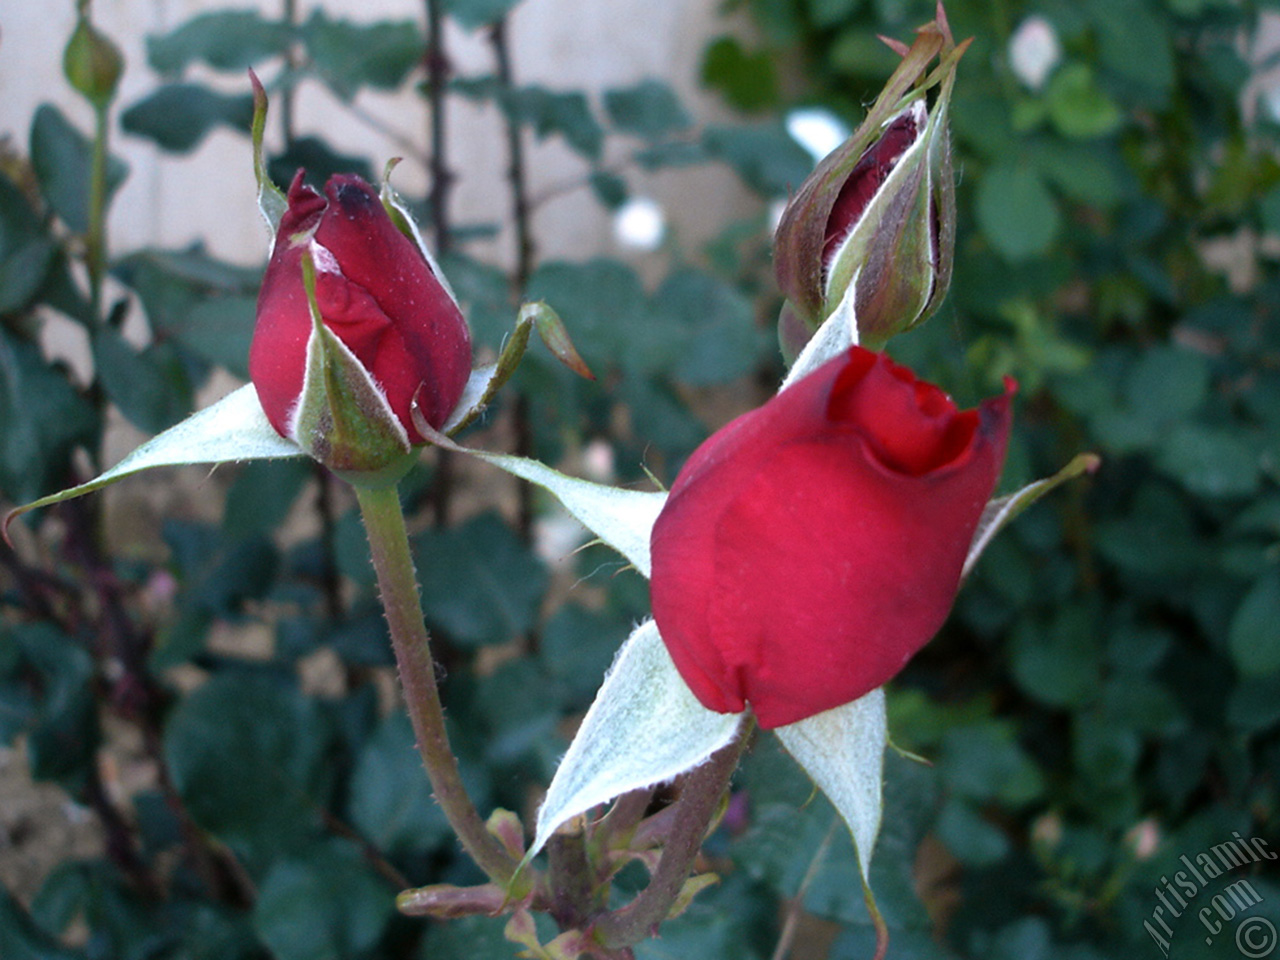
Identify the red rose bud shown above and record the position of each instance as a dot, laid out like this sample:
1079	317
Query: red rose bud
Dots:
872	230
812	546
377	294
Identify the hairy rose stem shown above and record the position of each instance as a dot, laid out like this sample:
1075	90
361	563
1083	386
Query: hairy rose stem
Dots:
389	546
699	796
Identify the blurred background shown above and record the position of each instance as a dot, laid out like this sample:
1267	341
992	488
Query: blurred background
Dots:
204	756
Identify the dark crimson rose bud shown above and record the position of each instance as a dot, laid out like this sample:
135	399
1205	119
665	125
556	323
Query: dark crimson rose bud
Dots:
870	233
376	291
812	546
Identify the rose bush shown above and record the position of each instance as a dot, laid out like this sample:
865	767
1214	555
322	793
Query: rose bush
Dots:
813	545
375	290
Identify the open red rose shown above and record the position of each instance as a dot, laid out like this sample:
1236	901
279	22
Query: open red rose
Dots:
376	292
812	546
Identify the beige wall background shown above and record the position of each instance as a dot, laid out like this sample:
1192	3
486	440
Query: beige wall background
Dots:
171	201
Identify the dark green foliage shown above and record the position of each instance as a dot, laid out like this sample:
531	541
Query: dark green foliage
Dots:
178	116
60	158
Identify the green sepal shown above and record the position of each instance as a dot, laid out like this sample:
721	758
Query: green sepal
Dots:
343	419
272	202
234	428
486	381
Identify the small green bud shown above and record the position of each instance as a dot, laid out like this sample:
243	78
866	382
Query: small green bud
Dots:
92	63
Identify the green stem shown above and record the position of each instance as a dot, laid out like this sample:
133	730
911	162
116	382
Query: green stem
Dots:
96	238
698	800
389	546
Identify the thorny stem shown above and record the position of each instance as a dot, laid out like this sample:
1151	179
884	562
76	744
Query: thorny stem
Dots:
699	796
521	217
437	66
437	78
389	547
516	170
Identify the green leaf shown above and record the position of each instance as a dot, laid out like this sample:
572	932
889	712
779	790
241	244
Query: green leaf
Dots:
63	736
61	158
1016	212
578	645
319	160
764	156
1168	383
1085	173
474	14
219	330
747	81
973	840
26	252
234	428
610	189
1058	663
1077	107
1135	43
247	755
1254	638
718	339
391	802
601	301
262	495
467	938
1211	462
650	109
326	904
178	116
645	727
550	112
21	939
832	13
229	40
350	55
480	583
42	419
150	387
983	761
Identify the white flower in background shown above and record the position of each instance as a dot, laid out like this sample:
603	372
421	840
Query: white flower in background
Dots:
1034	51
818	130
1269	93
640	224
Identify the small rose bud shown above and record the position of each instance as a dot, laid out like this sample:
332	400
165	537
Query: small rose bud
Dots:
871	232
389	340
92	63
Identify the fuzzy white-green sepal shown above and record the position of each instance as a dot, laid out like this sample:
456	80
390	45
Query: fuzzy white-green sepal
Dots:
234	428
272	202
645	727
342	417
623	519
837	334
475	396
843	751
